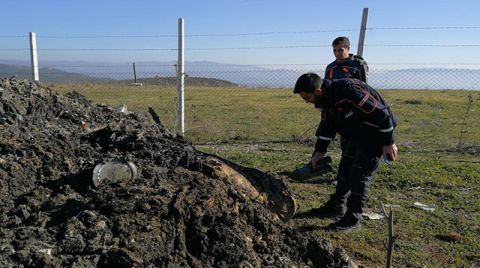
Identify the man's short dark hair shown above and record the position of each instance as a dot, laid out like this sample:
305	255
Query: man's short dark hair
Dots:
341	41
307	83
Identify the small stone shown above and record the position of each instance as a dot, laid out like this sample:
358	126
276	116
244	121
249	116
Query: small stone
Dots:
147	228
146	207
47	251
101	225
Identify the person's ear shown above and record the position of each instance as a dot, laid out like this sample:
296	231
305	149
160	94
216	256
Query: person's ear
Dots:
317	91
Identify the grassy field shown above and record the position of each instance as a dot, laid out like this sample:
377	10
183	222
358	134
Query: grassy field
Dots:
271	129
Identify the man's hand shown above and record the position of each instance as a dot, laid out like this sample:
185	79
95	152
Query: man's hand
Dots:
390	151
315	158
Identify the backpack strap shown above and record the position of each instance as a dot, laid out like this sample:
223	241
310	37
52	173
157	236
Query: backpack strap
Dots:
358	57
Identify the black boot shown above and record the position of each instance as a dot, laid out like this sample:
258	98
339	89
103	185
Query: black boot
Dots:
347	223
331	209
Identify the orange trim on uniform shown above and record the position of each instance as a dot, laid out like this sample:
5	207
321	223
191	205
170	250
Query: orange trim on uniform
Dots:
363	100
359	107
357	85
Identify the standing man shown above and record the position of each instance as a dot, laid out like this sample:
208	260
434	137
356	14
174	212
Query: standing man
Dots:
365	122
346	65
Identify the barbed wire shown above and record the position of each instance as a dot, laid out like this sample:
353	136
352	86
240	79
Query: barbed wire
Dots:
193	65
238	48
428	79
89	49
244	34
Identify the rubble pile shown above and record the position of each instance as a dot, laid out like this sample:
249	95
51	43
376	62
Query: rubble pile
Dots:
176	212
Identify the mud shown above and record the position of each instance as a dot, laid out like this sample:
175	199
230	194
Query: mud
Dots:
174	214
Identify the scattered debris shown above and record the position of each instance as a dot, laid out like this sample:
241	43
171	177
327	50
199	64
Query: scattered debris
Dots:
415	188
392	206
123	109
450	237
136	84
47	251
425	207
116	170
372	216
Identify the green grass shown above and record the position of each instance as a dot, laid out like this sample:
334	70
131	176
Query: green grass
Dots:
273	130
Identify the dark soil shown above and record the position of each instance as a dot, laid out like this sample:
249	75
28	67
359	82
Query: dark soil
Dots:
172	215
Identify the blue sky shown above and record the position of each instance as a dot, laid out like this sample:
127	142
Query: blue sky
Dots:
305	18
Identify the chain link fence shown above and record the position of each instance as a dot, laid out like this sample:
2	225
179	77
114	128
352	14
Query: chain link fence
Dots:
251	103
219	111
255	105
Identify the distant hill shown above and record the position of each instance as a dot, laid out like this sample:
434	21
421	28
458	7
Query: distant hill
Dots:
243	75
58	76
189	81
426	78
221	74
46	74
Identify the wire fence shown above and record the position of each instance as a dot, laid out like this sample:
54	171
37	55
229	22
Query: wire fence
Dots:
413	77
251	110
248	103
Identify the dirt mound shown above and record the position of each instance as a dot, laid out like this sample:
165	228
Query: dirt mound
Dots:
174	213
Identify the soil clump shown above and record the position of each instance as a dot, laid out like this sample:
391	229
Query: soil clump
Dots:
177	212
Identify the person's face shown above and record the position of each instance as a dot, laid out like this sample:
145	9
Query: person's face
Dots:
310	97
340	52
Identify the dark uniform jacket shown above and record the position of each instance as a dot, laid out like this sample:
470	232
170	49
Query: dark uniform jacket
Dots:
354	67
356	111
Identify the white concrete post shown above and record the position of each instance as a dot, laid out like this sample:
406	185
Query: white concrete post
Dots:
34	56
363	29
181	80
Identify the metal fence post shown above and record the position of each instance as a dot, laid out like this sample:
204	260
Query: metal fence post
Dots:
134	74
34	56
363	29
181	80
